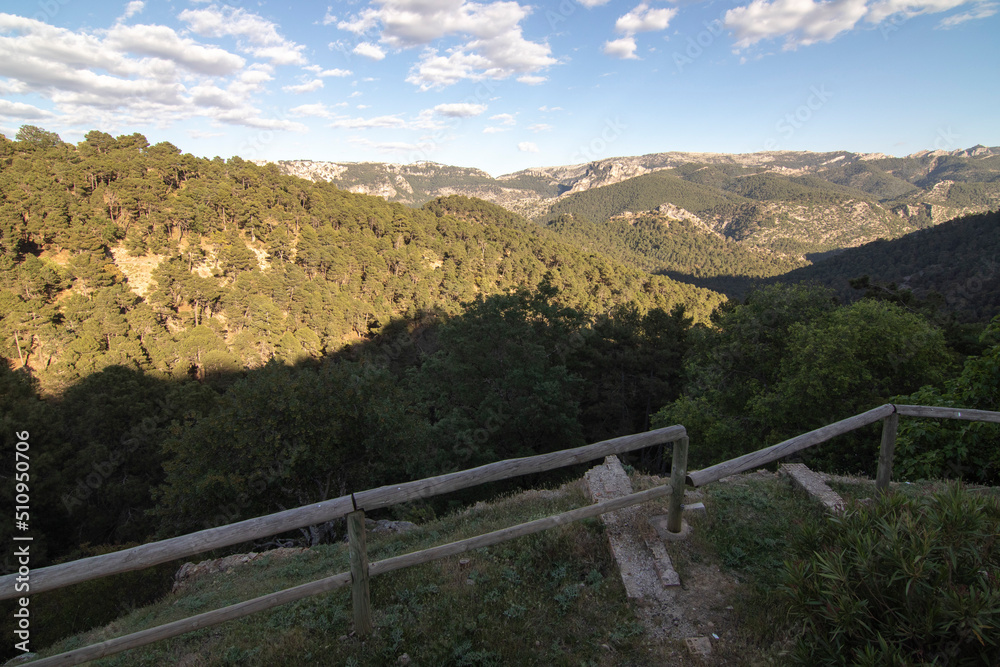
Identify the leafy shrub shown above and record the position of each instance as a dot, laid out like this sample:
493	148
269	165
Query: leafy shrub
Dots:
932	448
900	581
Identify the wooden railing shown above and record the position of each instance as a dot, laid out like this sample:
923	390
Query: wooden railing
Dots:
354	506
889	415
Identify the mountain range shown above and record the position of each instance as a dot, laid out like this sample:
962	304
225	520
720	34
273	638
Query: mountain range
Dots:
716	220
792	203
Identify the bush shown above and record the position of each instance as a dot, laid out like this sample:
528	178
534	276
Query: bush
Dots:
898	582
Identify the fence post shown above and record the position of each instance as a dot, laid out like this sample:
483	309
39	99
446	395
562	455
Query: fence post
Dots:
889	426
678	472
359	572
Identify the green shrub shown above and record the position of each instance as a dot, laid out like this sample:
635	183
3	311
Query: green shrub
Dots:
898	582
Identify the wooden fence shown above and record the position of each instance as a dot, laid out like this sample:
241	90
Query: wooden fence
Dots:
353	507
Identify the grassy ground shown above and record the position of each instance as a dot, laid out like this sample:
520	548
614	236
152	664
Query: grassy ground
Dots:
550	599
554	598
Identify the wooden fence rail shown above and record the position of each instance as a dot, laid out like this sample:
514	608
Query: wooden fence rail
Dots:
159	552
208	619
783	449
889	415
154	553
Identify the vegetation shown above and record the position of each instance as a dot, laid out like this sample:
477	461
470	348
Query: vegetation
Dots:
657	243
955	263
642	193
193	342
957	449
899	581
789	360
245	264
554	598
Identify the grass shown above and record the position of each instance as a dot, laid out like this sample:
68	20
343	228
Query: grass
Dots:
554	598
749	532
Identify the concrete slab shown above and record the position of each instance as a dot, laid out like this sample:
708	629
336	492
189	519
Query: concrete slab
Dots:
643	571
699	647
814	485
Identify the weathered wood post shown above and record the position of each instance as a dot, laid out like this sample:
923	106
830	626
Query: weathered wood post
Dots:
678	472
359	572
889	427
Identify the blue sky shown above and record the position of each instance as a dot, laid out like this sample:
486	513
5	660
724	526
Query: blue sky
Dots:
503	86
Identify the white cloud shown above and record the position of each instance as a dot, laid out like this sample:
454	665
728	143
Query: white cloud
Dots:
21	110
162	42
504	118
369	50
307	87
262	35
460	110
390	147
801	22
982	11
589	4
621	48
644	19
126	76
805	22
251	117
532	79
492	129
212	96
493	45
378	122
329	18
527	147
540	127
323	73
318	110
131	9
548	108
425	120
281	54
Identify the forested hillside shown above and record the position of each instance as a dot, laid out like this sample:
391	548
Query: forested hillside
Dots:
192	341
786	216
956	264
118	252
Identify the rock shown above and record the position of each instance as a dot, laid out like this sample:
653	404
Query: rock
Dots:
191	571
386	526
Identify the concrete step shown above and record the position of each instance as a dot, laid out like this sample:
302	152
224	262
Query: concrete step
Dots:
814	485
645	570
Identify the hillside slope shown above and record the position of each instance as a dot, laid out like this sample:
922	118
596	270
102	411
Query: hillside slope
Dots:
115	252
958	260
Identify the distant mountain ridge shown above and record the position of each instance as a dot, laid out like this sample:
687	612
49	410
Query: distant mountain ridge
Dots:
529	191
710	219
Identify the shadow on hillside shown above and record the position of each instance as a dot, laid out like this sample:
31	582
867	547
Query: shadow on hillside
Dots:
734	287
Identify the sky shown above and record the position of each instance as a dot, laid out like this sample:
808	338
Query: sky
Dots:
506	85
